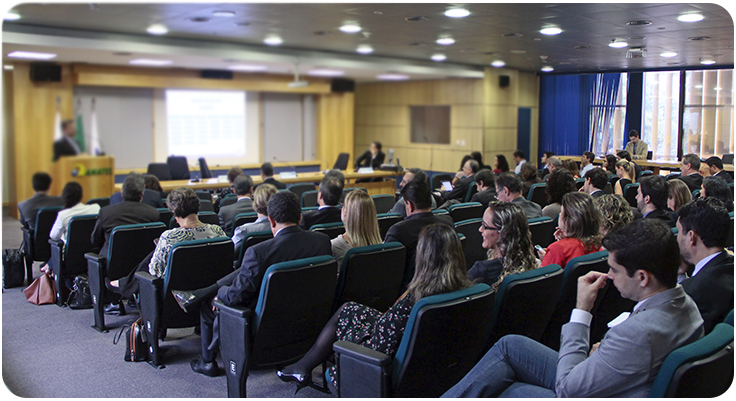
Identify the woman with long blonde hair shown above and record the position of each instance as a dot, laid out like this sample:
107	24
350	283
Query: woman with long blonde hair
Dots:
361	225
627	175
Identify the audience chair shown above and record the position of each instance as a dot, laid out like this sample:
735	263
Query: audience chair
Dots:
608	189
727	158
165	215
702	369
525	302
179	167
729	240
472	190
613	180
36	247
630	193
129	245
293	306
438	178
383	202
309	209
99	201
331	229
465	211
672	175
249	240
386	220
608	305
440	211
371	275
299	189
729	318
342	161
206	206
650	154
309	198
162	171
203	196
229	199
209	218
644	173
579	182
543	230
204	170
473	245
443	340
242	218
67	259
192	264
695	194
538	194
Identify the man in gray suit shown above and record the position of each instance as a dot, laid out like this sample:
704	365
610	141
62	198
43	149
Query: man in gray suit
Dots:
508	189
643	259
29	207
243	188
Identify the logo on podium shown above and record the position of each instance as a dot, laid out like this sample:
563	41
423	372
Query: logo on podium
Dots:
80	171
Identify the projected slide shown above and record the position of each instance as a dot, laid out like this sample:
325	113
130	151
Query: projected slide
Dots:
206	123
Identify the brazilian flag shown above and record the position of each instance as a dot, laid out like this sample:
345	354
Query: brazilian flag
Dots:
79	137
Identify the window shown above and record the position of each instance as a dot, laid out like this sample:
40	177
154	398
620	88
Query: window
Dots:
661	113
708	115
430	124
608	113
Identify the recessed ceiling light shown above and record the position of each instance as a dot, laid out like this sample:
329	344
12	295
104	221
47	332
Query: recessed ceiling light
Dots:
378	12
324	72
707	61
668	54
145	61
445	41
498	63
364	49
457	13
157	30
416	19
639	23
273	41
547	69
31	55
350	28
392	77
439	57
553	30
247	67
690	18
223	13
198	19
11	17
618	44
8	67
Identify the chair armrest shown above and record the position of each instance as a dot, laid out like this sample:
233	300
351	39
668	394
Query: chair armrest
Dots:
150	305
362	372
148	278
235	341
236	311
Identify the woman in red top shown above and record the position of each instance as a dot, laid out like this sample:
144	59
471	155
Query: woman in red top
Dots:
578	233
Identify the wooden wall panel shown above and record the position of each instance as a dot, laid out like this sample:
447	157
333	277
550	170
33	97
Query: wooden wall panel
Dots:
335	127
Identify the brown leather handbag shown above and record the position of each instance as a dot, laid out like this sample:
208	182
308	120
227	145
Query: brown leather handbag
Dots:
41	291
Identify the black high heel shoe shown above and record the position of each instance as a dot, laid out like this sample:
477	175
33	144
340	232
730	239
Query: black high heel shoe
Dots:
300	380
186	300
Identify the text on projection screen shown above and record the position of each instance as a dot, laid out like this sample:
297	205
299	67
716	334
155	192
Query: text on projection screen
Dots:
206	123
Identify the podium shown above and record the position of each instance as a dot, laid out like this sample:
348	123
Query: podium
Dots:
94	173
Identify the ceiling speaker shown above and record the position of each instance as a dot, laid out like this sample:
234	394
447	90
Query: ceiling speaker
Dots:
503	81
343	85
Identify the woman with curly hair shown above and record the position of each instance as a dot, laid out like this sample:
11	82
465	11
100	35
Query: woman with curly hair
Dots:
560	182
615	212
579	231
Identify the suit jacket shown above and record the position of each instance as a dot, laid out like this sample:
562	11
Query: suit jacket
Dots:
693	181
150	197
485	197
62	147
29	208
531	209
460	189
598	193
291	243
128	212
662	215
725	175
641	150
272	181
367	159
330	214
228	213
631	353
486	271
712	290
407	233
400	207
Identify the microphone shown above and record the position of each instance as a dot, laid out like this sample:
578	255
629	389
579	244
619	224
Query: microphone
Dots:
287	165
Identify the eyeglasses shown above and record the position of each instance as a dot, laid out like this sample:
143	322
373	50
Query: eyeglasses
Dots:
485	227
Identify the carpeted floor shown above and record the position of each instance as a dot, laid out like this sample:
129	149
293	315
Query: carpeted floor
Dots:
48	351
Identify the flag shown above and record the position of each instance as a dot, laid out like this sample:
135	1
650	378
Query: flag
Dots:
79	136
95	149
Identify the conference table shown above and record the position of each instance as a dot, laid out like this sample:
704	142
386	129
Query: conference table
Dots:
386	186
654	165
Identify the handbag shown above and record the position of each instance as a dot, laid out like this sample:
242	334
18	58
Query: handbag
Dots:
41	291
13	267
135	342
80	297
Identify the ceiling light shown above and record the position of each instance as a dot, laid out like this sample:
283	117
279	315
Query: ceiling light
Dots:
553	30
247	67
690	18
198	19
547	69
350	28
445	41
11	16
145	61
157	30
324	72
31	55
707	61
223	13
618	44
457	13
8	67
364	49
392	77
439	57
273	41
668	54
498	63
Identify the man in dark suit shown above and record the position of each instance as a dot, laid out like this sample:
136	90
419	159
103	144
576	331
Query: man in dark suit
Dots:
716	187
410	174
241	287
243	188
130	211
29	208
373	157
485	180
715	164
702	232
267	177
651	199
66	145
328	197
595	180
690	167
508	189
460	190
150	198
417	198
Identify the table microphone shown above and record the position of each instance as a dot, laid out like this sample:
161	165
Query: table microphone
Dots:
287	164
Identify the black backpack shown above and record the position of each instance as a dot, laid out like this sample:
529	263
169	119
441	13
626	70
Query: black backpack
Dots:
80	297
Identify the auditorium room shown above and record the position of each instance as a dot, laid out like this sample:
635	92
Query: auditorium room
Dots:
289	200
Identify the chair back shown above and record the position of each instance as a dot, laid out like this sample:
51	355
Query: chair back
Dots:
45	219
672	175
701	369
331	229
299	189
204	170
293	306
695	194
538	194
579	182
443	340
472	190
650	154
309	198
438	212
229	199
249	240
543	230
386	220
129	244
644	173
608	305
727	158
206	206
525	302
165	215
729	239
466	211
630	193
79	234
179	167
608	189
473	245
383	202
162	171
203	196
342	161
613	180
438	178
371	275
729	318
99	201
208	218
244	218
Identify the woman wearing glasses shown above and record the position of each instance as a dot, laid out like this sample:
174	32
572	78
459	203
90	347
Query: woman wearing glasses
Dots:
506	235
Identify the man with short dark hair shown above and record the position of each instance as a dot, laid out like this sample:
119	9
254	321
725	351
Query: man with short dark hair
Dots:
519	160
690	168
544	162
595	182
328	197
636	147
243	189
625	155
702	230
586	163
267	177
716	187
66	145
485	180
643	259
29	208
460	190
508	189
715	165
651	199
410	174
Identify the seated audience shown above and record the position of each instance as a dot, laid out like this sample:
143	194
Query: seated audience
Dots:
485	180
231	174
418	215
716	187
586	162
267	177
410	174
506	235
578	233
643	261
678	194
715	166
440	269
29	208
553	163
328	197
704	170
361	225
595	182
460	189
560	182
690	166
519	160
150	197
373	157
260	201
241	287
73	206
460	173
651	199
152	183
243	189
500	165
508	189
572	167
625	155
609	164
130	211
544	162
626	174
529	177
702	230
615	212
477	156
